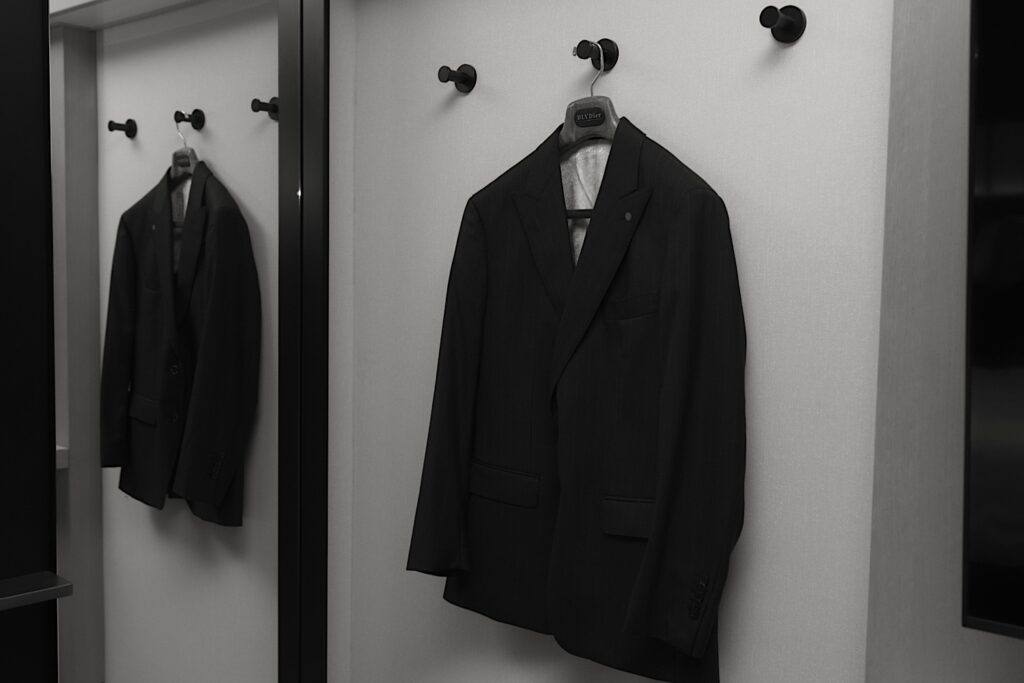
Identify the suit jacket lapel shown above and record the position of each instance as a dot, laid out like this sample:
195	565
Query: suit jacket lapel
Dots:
191	240
618	210
164	238
542	214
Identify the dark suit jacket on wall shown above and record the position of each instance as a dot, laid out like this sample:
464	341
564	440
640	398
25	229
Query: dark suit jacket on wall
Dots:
181	353
586	451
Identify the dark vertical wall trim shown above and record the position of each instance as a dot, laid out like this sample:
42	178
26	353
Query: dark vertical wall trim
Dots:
303	93
313	475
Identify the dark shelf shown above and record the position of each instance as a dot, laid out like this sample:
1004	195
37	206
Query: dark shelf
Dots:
32	588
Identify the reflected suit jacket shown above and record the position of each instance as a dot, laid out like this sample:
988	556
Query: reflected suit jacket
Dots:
181	352
585	457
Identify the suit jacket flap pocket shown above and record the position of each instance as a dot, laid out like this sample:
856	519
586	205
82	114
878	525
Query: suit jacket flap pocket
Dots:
144	409
631	307
506	486
627	516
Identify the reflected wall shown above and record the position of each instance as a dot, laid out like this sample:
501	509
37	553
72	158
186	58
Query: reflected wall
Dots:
994	519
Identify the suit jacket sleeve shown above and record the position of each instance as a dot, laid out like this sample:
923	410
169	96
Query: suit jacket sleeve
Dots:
701	439
225	379
439	538
118	353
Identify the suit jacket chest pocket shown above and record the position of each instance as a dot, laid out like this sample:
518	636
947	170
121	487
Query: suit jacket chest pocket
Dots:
631	326
631	307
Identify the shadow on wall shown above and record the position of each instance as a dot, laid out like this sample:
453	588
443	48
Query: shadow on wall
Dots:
175	525
543	653
523	655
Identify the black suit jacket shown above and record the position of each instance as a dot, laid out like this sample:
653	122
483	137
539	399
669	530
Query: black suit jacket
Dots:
586	451
181	353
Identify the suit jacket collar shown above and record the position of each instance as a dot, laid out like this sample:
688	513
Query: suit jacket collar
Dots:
177	292
620	202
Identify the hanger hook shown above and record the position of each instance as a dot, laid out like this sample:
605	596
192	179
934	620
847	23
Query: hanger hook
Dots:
177	127
600	72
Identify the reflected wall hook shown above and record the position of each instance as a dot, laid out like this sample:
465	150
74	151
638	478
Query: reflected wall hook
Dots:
197	118
587	49
787	24
269	107
464	77
129	127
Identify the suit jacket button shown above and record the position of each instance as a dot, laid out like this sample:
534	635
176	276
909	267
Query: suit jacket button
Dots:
174	369
629	216
174	417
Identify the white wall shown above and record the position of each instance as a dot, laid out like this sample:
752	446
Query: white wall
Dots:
914	633
79	505
187	600
794	139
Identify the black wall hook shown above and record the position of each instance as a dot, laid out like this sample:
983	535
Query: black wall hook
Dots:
269	107
129	127
197	118
464	77
587	49
787	24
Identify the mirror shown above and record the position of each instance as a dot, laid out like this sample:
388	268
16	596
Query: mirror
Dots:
994	515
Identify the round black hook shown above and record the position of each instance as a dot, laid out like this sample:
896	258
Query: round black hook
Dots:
787	24
269	107
130	128
197	118
464	77
587	49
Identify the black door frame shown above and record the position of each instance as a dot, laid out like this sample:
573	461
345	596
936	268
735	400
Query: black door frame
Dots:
302	451
28	634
